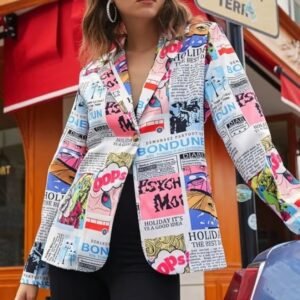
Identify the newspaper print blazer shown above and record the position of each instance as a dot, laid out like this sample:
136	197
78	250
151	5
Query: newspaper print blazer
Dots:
163	144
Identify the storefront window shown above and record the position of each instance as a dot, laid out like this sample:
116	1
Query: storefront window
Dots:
297	11
11	193
271	230
284	4
292	8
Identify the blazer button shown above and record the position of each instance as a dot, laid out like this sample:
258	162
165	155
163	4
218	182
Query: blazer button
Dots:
135	138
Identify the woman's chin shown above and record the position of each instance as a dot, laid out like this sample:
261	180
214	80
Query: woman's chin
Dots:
145	13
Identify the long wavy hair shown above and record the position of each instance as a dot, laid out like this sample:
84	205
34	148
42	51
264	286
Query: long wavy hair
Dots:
100	35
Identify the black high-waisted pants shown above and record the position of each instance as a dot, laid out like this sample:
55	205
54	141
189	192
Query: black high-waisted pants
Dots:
126	275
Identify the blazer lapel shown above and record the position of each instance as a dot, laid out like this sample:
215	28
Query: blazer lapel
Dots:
116	79
166	52
111	80
119	114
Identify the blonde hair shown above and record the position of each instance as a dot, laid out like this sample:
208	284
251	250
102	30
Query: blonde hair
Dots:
100	36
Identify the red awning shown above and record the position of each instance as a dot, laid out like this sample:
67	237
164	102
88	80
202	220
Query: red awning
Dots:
41	63
272	56
195	10
290	91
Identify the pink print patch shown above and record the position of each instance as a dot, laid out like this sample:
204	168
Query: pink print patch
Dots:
196	178
251	109
119	121
160	197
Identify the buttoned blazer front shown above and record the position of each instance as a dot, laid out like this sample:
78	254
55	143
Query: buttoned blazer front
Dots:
163	145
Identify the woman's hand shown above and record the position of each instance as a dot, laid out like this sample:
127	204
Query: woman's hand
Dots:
27	292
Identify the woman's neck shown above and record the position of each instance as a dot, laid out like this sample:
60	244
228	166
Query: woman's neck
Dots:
142	36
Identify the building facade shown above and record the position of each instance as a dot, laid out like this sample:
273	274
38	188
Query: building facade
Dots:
36	106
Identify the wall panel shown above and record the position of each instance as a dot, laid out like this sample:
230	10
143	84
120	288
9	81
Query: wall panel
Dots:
40	127
222	172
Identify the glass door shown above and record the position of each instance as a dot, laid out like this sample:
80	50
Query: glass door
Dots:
12	179
271	230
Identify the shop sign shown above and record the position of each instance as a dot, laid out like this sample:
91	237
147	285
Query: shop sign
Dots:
285	47
291	50
260	15
5	170
243	193
5	167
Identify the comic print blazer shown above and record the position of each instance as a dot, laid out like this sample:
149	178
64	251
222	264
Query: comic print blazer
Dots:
163	145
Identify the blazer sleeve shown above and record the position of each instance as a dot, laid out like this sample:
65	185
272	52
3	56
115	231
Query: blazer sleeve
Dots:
67	158
240	122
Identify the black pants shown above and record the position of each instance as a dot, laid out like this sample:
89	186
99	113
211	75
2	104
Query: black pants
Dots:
126	274
72	285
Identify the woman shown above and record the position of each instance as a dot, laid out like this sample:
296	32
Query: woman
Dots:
130	168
